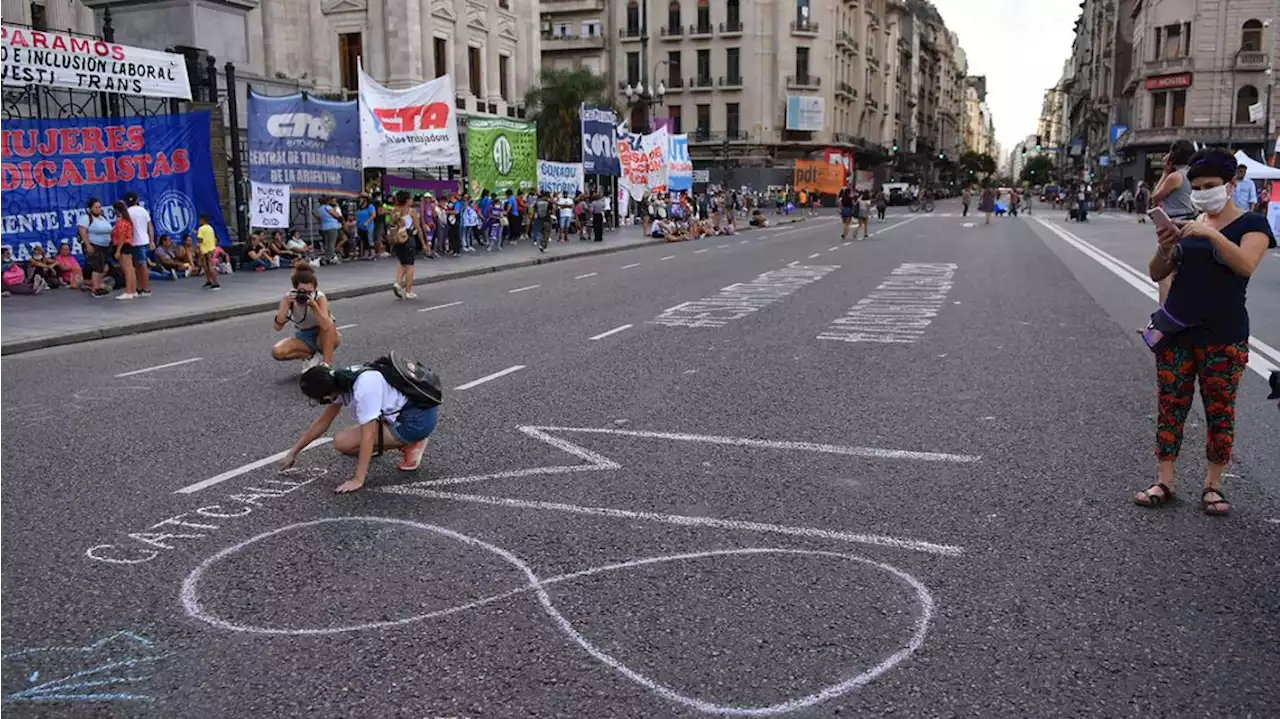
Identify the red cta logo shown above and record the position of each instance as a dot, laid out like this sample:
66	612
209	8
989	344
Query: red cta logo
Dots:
414	117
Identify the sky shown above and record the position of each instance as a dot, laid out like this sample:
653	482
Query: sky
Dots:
1020	46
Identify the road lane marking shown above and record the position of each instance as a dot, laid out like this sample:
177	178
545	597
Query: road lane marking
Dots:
144	370
742	299
833	249
1263	358
489	378
721	247
743	242
245	469
899	309
440	307
698	252
589	274
523	289
896	224
815	255
668	257
613	331
633	264
347	327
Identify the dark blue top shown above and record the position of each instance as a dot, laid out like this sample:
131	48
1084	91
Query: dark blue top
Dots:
1206	294
364	217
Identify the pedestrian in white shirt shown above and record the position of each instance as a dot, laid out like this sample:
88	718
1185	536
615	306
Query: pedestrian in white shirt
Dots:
144	240
1246	193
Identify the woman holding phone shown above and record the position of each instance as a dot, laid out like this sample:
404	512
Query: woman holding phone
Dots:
1208	261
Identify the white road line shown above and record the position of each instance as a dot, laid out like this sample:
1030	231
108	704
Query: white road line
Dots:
668	257
743	242
589	274
440	307
633	264
347	327
233	473
488	378
1263	358
815	255
721	247
523	289
144	370
691	521
614	331
833	249
896	224
698	252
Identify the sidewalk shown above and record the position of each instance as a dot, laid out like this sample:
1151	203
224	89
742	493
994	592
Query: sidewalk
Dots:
62	317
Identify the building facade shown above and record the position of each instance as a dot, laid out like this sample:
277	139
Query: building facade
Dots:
578	34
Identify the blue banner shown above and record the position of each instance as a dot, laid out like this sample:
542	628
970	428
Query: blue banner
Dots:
599	145
311	144
50	169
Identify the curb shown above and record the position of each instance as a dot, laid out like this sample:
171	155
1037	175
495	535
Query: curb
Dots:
39	343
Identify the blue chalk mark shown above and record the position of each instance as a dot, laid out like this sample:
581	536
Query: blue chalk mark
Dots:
34	676
92	684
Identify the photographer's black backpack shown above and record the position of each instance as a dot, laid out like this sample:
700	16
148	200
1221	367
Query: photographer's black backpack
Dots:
414	380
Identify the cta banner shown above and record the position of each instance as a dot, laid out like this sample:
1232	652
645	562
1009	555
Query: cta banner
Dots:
562	177
306	142
50	168
34	57
416	127
599	146
818	176
641	158
679	166
269	207
502	154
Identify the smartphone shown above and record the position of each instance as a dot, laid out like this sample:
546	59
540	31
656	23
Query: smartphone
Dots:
1161	218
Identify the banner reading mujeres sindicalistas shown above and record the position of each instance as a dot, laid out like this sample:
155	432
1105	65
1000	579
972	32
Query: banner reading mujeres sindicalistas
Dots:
308	143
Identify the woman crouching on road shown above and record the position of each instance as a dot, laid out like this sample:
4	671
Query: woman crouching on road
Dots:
1205	332
315	335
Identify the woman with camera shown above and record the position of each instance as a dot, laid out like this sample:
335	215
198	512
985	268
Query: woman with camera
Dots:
315	336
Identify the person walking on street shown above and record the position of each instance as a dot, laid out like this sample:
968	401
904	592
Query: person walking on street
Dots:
848	204
598	206
987	201
966	196
406	229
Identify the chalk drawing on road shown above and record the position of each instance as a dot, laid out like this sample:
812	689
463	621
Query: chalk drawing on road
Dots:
740	300
537	586
112	669
901	307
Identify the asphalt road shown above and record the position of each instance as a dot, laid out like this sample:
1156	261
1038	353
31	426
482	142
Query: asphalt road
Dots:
694	497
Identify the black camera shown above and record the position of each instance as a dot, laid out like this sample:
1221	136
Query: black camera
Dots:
302	295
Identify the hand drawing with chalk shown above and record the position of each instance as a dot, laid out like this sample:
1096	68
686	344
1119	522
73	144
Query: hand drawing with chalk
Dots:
114	668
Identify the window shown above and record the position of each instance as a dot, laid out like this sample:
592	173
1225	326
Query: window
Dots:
1173	41
592	28
1246	96
673	16
441	49
733	17
1251	36
802	64
676	115
633	18
732	65
473	71
1179	102
633	68
802	14
39	18
704	120
674	73
637	117
350	48
504	4
704	67
1159	108
704	16
504	85
731	120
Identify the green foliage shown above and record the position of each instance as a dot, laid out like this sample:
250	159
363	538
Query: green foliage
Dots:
1038	170
980	163
553	106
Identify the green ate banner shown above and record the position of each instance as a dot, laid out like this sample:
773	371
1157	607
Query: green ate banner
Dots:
502	154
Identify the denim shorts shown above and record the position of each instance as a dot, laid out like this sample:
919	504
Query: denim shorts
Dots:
565	222
414	423
309	337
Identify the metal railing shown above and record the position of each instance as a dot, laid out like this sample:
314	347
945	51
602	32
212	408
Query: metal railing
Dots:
731	81
731	27
701	82
801	25
804	81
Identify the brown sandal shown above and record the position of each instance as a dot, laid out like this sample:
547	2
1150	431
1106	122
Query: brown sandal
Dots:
1209	507
1152	498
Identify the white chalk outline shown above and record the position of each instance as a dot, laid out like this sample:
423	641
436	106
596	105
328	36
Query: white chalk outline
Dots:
246	468
191	604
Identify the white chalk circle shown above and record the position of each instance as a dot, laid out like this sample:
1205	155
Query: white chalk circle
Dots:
194	608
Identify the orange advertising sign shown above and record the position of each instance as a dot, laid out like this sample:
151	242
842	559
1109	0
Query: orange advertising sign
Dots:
818	176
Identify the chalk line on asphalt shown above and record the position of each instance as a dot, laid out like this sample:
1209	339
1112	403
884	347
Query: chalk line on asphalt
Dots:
245	469
167	365
489	377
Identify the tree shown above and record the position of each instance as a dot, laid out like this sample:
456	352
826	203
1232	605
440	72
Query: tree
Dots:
976	163
553	104
1038	170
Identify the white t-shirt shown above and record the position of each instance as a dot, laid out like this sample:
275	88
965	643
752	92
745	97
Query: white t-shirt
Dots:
566	208
372	397
140	218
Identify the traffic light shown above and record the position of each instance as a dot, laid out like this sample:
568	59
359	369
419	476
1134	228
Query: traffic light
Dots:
1024	152
1037	143
895	147
942	155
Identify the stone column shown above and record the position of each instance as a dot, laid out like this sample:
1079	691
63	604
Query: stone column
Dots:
404	43
375	44
88	20
275	33
16	11
60	16
428	39
323	48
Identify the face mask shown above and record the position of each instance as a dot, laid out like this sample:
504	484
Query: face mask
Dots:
1211	200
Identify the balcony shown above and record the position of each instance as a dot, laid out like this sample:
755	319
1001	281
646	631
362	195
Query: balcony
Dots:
671	32
707	137
730	83
631	34
701	31
844	41
574	5
702	84
802	82
1169	65
1251	60
844	89
571	43
675	84
733	28
802	26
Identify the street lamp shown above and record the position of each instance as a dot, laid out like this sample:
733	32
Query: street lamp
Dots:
640	96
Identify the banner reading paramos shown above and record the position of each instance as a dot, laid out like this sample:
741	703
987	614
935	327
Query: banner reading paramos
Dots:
306	142
410	128
34	57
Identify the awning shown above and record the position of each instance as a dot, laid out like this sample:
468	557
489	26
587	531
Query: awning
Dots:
1255	170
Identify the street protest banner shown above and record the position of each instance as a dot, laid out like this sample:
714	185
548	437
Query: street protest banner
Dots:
642	158
269	207
50	168
415	127
502	154
36	57
562	177
391	184
308	143
599	147
679	166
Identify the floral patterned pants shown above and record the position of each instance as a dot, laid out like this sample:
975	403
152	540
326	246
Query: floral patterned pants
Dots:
1219	368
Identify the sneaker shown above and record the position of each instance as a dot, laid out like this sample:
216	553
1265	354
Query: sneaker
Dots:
125	296
174	275
144	293
206	285
413	455
411	295
215	286
186	273
312	361
101	292
397	290
39	284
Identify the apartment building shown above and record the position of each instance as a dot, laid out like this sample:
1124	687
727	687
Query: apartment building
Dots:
577	34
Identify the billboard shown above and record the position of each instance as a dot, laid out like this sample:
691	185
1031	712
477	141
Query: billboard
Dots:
805	113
